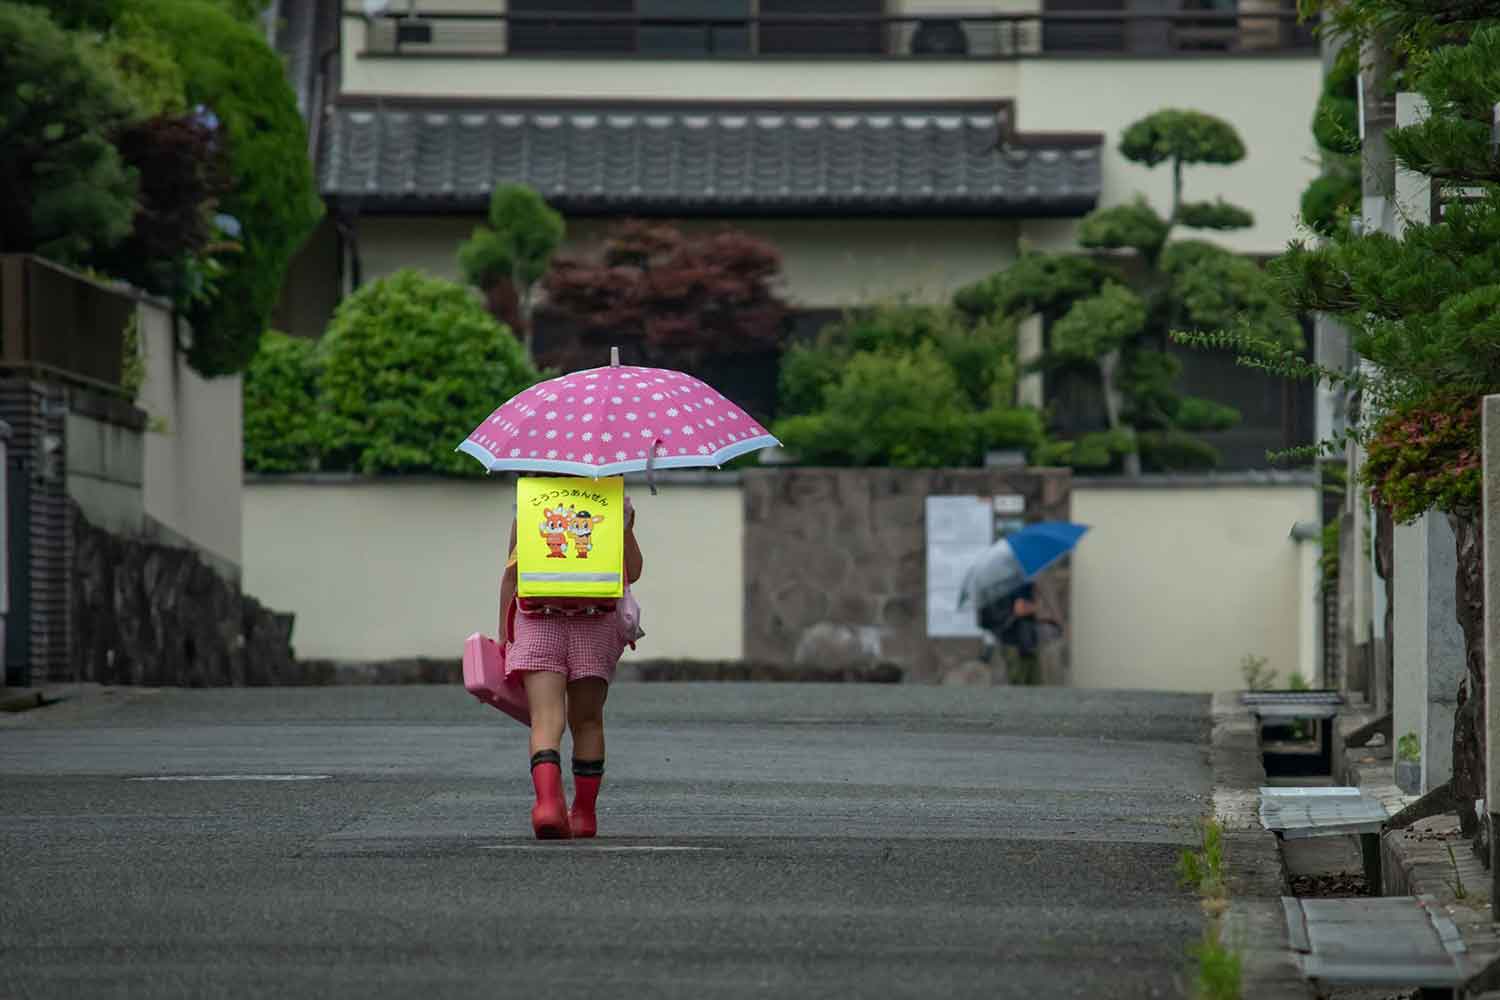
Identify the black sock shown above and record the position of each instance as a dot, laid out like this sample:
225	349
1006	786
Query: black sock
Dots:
588	768
546	757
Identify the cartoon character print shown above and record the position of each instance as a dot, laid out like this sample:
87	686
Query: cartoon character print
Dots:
582	532
554	529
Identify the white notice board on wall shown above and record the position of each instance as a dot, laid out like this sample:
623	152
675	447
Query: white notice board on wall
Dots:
958	530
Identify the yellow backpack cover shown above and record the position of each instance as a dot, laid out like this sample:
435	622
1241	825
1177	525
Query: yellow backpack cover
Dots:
570	537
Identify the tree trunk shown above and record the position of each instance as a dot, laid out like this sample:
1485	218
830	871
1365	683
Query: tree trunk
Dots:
1109	364
1469	719
504	304
1382	662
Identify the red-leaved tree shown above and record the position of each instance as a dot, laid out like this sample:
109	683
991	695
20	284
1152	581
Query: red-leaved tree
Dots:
667	299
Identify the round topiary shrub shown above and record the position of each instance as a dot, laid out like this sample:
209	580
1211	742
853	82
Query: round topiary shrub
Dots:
409	366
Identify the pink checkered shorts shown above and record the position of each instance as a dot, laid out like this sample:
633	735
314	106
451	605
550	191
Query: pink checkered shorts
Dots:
576	646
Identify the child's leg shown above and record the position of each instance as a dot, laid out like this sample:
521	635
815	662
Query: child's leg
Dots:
545	692
586	720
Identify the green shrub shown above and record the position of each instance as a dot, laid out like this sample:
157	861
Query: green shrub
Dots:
64	190
1329	198
410	365
806	371
1134	224
1095	452
228	67
1427	456
1192	136
1034	283
1176	451
1196	414
900	409
907	385
1328	559
284	428
1336	123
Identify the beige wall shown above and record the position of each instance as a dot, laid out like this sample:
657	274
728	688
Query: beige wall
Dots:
1170	588
396	568
826	262
1269	101
1173	586
193	455
104	471
525	78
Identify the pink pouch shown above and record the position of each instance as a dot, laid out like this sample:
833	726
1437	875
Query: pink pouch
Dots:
628	612
484	677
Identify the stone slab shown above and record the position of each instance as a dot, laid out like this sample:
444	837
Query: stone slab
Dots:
1320	812
1399	941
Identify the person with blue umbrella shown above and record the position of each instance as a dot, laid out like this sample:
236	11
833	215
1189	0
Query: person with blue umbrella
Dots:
1000	583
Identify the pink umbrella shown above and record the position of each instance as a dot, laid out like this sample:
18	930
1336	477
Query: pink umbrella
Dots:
609	421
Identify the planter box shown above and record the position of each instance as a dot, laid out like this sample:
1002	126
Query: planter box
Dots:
1409	776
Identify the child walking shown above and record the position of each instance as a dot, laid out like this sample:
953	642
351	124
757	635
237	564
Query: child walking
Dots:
567	650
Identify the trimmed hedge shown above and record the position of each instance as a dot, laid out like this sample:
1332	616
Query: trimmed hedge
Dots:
409	366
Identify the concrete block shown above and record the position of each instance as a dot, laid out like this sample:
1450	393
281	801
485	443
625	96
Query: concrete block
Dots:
1490	519
1444	653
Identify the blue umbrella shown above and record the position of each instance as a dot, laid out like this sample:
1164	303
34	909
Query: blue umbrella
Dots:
1011	562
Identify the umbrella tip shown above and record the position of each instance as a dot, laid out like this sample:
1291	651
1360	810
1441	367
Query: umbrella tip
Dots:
614	357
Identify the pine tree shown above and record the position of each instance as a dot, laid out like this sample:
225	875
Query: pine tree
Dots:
1110	314
1424	310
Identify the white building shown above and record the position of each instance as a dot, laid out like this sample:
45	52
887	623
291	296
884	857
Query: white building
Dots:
885	146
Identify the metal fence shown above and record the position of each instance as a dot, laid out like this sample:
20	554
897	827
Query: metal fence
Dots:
778	30
54	323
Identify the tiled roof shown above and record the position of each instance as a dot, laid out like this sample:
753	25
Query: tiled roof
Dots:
617	159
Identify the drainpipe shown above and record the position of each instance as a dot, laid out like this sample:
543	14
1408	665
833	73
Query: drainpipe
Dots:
346	222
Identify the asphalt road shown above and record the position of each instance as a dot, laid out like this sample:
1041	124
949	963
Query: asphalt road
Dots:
756	840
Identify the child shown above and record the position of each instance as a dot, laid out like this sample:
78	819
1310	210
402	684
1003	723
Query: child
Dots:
568	650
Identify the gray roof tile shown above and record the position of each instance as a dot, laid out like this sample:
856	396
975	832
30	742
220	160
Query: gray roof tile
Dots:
616	159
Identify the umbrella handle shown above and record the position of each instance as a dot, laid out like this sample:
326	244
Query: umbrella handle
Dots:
651	466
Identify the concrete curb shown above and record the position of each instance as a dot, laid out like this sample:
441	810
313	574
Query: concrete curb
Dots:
1256	874
26	699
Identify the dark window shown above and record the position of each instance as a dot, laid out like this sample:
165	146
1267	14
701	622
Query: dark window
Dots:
1275	413
710	37
831	38
1221	34
1092	35
571	36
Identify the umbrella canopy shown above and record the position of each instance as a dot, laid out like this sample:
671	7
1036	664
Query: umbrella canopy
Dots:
613	420
1008	564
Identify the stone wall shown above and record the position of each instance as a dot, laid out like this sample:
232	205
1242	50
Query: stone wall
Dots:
835	566
146	613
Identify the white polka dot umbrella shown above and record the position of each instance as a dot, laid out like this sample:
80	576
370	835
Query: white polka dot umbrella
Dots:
609	421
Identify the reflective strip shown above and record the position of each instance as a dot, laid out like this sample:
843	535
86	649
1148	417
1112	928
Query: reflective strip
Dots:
571	577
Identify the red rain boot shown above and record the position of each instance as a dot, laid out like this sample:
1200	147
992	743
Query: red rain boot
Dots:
587	774
549	817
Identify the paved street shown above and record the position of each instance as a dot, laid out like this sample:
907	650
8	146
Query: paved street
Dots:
757	840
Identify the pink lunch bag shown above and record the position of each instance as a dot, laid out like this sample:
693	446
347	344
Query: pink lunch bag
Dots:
484	677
